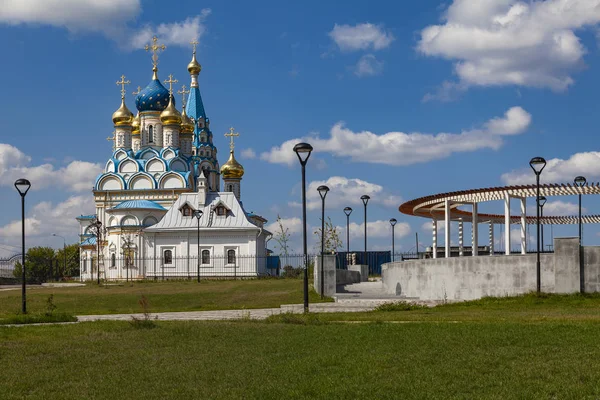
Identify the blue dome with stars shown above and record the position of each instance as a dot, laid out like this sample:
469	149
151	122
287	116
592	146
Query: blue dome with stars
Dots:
154	97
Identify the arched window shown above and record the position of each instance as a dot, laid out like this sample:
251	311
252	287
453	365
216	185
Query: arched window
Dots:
113	260
230	188
231	256
168	257
205	257
150	134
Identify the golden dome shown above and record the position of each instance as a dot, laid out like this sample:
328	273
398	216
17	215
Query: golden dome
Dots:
122	116
187	125
170	115
194	67
232	168
136	124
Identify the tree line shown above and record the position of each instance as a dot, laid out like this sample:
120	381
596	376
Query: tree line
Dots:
43	264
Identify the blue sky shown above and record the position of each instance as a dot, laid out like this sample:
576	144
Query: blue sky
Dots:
400	100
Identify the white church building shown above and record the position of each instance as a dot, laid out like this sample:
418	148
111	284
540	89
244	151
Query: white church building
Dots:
160	211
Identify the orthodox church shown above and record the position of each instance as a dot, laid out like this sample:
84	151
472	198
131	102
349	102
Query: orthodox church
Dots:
160	211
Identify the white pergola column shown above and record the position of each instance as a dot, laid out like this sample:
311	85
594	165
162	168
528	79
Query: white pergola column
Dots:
491	238
523	226
474	232
434	239
461	251
507	224
447	230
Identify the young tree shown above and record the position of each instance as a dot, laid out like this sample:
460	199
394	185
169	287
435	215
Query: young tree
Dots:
282	237
72	261
332	237
39	262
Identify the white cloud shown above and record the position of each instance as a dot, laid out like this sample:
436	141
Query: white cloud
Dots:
511	42
248	153
112	18
293	226
368	65
175	33
559	207
361	37
108	17
47	218
378	229
345	192
399	148
77	176
558	170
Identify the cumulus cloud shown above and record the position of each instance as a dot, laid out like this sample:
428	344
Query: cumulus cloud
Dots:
112	18
292	225
378	229
347	192
47	218
559	207
77	176
361	37
399	148
175	33
511	42
558	170
368	65
108	17
248	153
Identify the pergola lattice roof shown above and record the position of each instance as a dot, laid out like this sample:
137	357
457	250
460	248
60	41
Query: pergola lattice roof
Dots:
433	206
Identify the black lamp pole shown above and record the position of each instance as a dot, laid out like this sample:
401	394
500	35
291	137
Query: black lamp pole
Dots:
580	182
542	202
198	215
22	186
303	151
347	211
365	200
393	224
98	226
538	164
323	193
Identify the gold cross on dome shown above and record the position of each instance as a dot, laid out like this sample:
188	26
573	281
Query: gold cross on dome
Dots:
123	82
171	81
231	135
155	48
183	92
139	89
113	138
194	43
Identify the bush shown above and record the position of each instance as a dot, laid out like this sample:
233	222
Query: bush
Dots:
291	272
401	306
146	321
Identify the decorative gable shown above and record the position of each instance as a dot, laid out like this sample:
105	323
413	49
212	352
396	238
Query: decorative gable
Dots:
221	209
186	210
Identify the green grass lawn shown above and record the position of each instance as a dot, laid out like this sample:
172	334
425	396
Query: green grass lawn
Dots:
162	296
527	347
224	360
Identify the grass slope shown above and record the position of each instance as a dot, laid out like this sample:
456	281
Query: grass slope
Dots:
162	296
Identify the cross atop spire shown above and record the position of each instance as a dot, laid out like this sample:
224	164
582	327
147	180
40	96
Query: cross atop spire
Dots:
123	82
183	92
171	81
114	140
155	48
139	89
231	135
194	43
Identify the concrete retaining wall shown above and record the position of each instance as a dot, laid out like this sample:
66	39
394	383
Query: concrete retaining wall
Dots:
346	277
467	278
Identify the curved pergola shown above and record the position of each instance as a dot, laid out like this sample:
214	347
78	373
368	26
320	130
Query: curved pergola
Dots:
445	206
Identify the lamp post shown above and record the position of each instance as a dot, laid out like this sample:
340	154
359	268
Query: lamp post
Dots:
98	227
365	199
347	211
542	201
198	215
323	193
580	182
22	186
537	164
393	224
64	251
303	151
